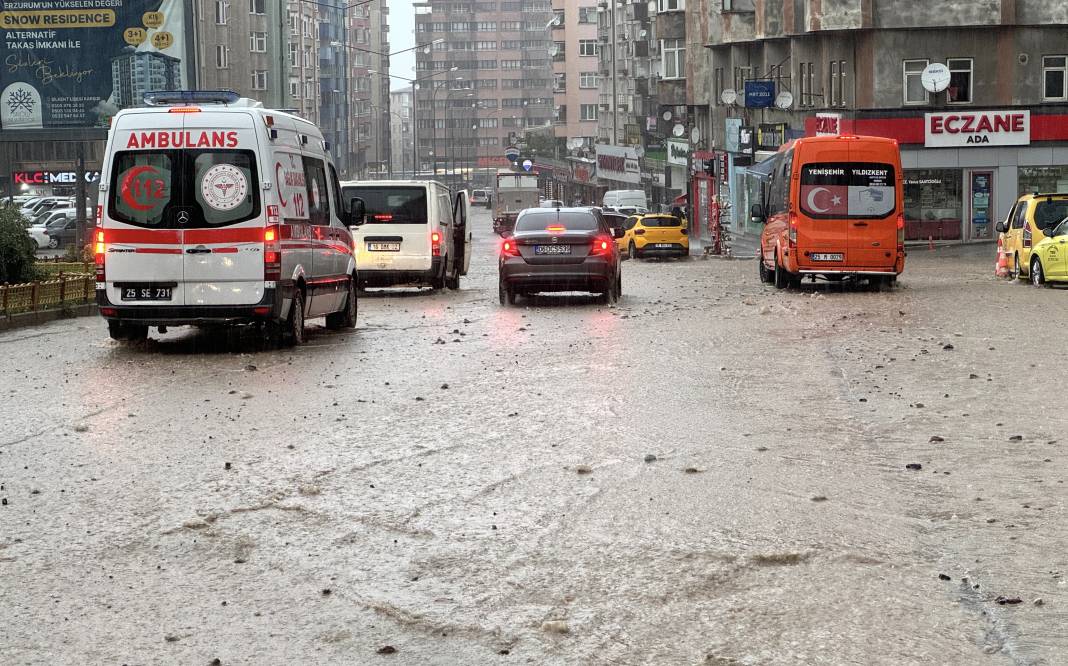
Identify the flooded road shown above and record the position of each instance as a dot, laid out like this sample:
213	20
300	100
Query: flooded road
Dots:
712	471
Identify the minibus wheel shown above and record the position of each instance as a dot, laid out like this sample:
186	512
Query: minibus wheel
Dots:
780	275
765	275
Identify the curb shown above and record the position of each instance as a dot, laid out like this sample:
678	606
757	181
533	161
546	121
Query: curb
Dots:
27	319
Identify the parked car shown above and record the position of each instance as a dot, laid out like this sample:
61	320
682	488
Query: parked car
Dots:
655	235
561	249
1049	257
550	203
1026	226
480	198
632	198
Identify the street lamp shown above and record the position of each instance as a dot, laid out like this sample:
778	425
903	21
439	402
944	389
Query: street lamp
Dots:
415	108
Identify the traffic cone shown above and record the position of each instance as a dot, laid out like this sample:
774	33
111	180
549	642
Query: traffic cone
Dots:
1001	267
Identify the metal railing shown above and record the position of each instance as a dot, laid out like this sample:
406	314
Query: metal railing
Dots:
49	294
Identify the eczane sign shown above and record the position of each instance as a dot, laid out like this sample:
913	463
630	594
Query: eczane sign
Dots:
957	129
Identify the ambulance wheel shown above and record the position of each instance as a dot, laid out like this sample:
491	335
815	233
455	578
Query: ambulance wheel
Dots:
345	318
293	331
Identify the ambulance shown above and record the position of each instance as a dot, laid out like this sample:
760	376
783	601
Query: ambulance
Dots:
215	211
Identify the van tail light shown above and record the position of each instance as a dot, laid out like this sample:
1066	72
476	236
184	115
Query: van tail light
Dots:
602	246
272	250
793	229
900	232
99	251
435	244
509	249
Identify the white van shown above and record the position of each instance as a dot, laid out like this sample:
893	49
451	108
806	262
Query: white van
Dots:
216	211
416	233
621	198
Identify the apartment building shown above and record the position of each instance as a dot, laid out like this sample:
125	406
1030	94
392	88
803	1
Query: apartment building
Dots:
401	135
995	127
487	82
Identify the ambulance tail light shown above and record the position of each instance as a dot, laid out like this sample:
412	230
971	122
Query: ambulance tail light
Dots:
99	251
900	232
272	249
793	228
435	243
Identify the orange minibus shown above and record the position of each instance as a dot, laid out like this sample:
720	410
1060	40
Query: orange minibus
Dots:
834	209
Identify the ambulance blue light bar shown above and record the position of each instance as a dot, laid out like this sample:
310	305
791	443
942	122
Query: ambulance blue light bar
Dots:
168	97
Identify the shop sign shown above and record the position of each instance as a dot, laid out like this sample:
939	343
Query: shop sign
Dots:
487	162
52	177
828	124
618	163
759	94
770	136
977	128
678	152
746	140
581	173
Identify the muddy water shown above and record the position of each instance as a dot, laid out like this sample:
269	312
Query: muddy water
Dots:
459	480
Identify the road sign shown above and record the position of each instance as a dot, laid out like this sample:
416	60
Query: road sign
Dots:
527	165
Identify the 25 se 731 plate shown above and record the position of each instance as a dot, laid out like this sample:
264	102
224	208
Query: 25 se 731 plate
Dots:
145	292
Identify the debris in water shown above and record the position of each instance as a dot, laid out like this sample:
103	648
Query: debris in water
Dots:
246	396
309	490
556	627
1039	602
819	498
170	638
649	457
943	577
762	449
914	466
387	649
1009	601
1016	438
692	470
936	438
444	387
227	465
947	347
250	368
326	592
81	427
584	469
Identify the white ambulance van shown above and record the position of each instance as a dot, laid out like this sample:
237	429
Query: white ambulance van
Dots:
216	211
416	234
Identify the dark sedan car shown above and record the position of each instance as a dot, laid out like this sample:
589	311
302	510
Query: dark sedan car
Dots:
560	249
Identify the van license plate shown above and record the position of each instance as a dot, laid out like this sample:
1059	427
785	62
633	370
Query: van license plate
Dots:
552	249
146	293
383	247
828	257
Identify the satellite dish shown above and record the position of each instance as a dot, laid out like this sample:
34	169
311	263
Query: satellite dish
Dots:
678	130
729	96
667	115
554	50
935	77
695	136
784	100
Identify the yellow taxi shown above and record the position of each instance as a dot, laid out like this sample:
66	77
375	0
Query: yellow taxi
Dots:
1049	257
1027	225
654	235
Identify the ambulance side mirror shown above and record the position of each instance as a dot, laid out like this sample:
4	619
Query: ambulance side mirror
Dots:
357	212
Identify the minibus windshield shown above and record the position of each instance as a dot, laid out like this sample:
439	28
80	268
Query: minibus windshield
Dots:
841	190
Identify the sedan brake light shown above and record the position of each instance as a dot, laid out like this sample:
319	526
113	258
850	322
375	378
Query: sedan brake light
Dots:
509	249
602	246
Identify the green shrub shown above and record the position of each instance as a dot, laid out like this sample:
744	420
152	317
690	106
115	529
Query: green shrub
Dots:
16	248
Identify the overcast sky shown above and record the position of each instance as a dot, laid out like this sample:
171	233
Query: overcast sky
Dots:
401	36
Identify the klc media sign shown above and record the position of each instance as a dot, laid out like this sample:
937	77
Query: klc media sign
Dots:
977	128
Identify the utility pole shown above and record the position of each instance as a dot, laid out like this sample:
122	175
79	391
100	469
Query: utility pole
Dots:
80	198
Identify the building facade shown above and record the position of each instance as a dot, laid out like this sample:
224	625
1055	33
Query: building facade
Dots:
401	135
484	85
995	129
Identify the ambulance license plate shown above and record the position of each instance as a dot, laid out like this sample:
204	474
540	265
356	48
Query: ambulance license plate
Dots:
383	247
145	292
833	256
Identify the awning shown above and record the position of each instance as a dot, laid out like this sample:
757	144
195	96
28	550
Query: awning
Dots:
762	170
680	200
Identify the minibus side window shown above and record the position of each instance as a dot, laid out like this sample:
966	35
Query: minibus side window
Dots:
787	179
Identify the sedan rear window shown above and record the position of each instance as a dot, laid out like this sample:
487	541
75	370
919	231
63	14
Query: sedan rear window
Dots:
666	221
574	221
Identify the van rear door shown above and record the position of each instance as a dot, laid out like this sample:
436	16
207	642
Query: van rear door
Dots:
222	240
143	260
397	234
872	231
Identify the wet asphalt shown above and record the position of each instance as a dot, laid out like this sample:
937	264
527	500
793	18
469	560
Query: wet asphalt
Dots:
712	471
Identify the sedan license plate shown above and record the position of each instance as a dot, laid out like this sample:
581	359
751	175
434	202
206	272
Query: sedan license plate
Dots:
825	256
383	247
146	292
552	249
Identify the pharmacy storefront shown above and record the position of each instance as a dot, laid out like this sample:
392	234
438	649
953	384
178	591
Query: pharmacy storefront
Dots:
964	169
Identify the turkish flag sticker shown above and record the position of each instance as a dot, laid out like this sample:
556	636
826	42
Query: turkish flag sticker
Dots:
825	200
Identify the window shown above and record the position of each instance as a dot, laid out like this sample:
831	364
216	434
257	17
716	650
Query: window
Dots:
587	47
315	182
259	79
673	58
589	80
587	15
671	5
803	93
294	88
847	190
834	83
222	12
558	18
842	83
1043	179
588	111
292	54
1054	73
221	59
960	80
257	6
257	42
933	204
914	92
560	82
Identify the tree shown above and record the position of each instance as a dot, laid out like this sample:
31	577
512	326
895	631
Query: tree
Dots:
16	248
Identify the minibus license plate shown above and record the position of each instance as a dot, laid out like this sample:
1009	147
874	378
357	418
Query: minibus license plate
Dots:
146	293
838	256
552	249
383	247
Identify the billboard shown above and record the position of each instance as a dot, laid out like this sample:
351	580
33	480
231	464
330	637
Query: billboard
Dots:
75	64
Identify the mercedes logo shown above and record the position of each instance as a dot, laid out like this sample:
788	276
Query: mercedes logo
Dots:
183	217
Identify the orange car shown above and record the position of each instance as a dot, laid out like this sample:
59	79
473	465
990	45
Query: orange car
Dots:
833	208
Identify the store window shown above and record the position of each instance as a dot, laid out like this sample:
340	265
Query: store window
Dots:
1043	179
933	204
